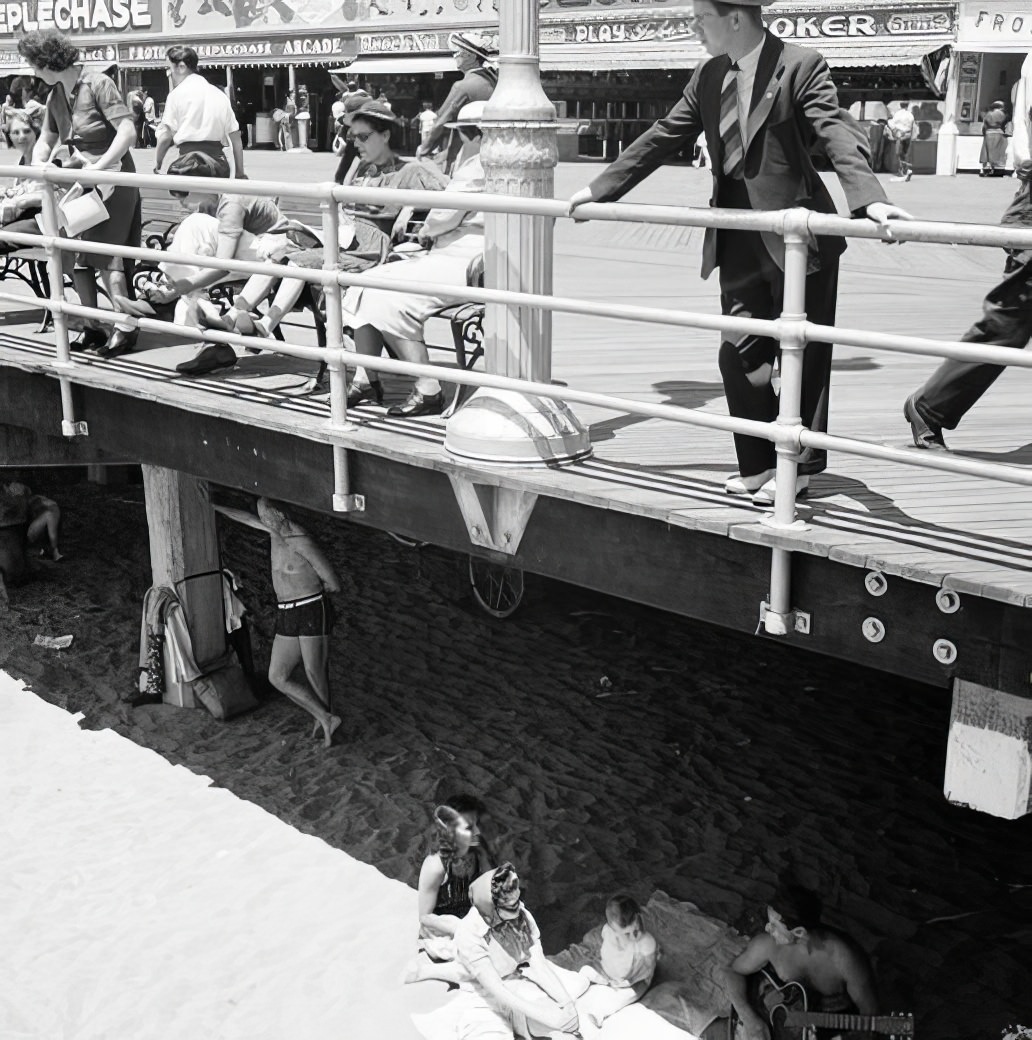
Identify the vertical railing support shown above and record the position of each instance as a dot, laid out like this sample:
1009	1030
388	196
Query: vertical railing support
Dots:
343	500
519	152
779	618
55	270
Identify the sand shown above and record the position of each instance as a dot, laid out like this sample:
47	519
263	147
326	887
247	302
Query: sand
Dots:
712	763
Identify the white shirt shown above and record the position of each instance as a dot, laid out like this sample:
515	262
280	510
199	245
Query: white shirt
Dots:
426	118
747	65
198	111
901	125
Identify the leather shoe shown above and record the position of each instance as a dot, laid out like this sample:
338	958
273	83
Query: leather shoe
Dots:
765	495
419	404
736	484
212	357
926	434
91	339
357	393
120	343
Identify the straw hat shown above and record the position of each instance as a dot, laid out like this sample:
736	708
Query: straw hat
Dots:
374	112
475	43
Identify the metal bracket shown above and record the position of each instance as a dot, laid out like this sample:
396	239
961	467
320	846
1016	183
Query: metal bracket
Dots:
71	428
496	517
349	503
797	621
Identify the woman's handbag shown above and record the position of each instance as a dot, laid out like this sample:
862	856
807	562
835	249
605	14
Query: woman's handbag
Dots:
80	209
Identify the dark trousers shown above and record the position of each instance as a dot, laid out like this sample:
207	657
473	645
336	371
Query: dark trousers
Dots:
955	386
751	286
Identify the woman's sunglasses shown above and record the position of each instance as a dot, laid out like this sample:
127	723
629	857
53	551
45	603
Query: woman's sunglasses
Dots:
361	138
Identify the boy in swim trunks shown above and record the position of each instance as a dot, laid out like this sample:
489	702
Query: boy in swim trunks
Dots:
301	578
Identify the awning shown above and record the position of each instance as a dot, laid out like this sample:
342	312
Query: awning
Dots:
399	66
580	58
877	55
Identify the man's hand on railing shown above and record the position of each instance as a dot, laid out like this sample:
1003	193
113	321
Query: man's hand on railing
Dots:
882	212
578	199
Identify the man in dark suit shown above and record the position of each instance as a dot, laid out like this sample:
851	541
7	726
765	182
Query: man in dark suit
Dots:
761	104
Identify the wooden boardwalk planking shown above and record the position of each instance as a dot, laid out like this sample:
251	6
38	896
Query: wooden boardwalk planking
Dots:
967	533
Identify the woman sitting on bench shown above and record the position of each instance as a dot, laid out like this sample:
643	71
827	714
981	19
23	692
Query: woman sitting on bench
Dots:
365	228
383	317
23	199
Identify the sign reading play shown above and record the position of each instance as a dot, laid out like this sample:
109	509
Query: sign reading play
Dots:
75	15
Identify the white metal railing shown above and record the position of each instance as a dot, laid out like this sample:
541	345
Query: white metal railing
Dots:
791	329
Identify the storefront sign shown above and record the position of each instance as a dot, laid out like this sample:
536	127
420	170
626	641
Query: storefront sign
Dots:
78	16
402	43
302	47
861	24
1000	24
626	31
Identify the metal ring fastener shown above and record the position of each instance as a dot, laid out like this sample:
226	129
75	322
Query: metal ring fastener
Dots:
947	601
873	630
876	583
944	651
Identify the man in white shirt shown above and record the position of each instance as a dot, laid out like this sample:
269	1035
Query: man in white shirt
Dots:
901	127
198	117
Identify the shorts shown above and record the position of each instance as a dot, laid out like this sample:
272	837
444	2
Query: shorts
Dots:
308	616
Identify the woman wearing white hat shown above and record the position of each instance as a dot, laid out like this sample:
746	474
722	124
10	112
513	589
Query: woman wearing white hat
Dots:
381	317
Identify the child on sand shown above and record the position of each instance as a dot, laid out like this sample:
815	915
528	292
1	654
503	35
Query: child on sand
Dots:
625	965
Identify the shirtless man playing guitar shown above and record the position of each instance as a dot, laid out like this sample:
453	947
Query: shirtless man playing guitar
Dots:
796	952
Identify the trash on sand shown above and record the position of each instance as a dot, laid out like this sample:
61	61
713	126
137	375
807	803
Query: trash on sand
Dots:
53	642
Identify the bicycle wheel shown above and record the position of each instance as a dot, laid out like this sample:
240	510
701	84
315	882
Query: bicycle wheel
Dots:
497	589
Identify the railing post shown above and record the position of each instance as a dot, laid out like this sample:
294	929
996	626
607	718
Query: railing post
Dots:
55	271
343	500
779	619
519	153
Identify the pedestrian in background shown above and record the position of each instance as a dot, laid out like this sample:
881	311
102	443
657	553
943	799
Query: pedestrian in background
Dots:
197	117
476	58
994	141
901	127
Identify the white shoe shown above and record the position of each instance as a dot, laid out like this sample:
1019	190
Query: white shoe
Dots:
764	496
736	484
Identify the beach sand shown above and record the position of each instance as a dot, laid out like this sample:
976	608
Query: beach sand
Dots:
703	765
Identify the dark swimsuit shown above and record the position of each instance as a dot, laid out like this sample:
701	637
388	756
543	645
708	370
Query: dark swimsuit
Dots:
308	616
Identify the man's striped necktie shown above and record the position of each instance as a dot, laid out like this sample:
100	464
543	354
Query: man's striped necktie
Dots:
730	128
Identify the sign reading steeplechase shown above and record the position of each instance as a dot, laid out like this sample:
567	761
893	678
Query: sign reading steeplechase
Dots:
76	16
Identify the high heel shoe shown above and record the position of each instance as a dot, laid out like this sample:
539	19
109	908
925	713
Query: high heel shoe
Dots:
358	393
419	404
120	343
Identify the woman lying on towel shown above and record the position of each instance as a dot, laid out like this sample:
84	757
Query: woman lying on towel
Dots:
365	228
454	858
381	317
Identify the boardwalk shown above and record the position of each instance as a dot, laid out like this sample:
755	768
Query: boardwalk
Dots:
966	533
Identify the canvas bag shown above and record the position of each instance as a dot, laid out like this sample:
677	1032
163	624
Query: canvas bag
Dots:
225	691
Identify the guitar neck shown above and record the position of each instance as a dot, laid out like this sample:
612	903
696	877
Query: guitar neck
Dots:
892	1025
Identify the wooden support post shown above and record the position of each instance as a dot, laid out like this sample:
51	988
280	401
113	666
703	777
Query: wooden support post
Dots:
989	751
183	544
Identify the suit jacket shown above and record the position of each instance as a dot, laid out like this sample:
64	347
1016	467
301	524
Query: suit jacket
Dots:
794	104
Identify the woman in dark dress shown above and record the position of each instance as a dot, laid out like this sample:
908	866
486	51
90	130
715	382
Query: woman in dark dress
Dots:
86	114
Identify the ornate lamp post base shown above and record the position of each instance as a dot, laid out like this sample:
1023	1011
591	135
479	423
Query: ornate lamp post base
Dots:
509	428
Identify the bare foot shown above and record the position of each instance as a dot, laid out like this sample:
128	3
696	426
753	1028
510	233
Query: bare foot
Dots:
55	555
335	721
316	726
